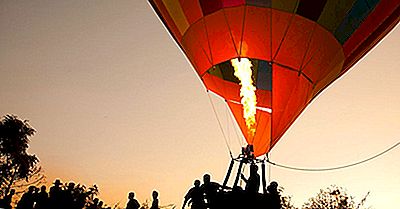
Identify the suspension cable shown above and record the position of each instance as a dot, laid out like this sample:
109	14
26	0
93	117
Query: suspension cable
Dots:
220	125
333	168
234	129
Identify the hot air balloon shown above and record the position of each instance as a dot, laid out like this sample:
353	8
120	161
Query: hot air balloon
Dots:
296	48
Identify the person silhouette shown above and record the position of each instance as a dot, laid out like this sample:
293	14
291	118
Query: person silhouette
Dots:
253	183
42	198
195	197
55	195
27	200
154	204
274	196
210	190
68	196
132	202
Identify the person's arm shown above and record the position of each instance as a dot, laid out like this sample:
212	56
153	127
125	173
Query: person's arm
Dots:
184	203
137	204
187	197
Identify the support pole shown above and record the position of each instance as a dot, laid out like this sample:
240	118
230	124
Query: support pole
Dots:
264	183
238	173
228	174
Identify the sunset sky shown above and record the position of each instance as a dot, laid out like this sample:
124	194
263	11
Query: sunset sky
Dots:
116	103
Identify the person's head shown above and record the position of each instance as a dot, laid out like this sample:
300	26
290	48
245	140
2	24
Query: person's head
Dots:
31	189
71	185
131	195
57	183
272	187
207	178
274	184
154	194
43	188
100	204
197	183
95	201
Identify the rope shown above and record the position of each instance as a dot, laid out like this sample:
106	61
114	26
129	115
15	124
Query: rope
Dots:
334	168
243	24
220	125
230	32
234	129
269	167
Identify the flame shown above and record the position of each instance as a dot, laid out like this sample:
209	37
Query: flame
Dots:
244	72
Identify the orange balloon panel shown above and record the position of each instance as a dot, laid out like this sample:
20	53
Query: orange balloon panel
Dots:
296	50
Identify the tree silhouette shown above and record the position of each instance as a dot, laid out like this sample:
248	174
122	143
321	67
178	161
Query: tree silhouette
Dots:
334	197
83	195
287	202
15	162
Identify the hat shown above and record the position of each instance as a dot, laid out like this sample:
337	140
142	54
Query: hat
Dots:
57	182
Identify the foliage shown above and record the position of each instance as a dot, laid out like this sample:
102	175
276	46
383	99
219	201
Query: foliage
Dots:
286	202
36	179
84	195
16	163
333	197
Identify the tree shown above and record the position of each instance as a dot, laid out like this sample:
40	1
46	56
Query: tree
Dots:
16	163
333	197
82	195
286	203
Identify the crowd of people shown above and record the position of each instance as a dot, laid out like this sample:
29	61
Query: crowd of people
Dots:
211	195
69	196
59	196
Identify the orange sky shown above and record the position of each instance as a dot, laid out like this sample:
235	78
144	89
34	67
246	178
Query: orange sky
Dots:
116	103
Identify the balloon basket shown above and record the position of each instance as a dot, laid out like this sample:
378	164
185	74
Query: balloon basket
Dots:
246	157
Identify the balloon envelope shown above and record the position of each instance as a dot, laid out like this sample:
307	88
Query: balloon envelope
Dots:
297	49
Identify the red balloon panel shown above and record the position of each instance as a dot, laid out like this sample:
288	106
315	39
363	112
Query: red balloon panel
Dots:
290	92
220	38
295	43
192	10
257	33
196	47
